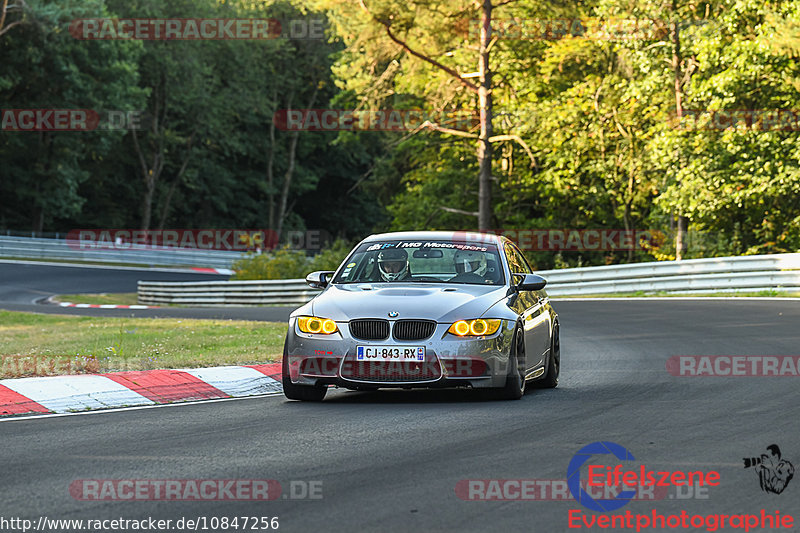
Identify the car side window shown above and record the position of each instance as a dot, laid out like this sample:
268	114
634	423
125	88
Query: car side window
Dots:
516	261
513	263
522	260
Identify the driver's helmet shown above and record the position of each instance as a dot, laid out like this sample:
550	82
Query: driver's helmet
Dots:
470	262
393	263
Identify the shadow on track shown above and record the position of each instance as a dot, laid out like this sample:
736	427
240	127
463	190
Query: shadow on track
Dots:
421	396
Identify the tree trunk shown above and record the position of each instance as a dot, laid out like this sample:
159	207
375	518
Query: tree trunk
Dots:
168	198
45	156
287	182
147	204
4	9
287	179
151	172
176	181
680	239
683	222
270	166
150	175
167	201
485	106
38	220
626	216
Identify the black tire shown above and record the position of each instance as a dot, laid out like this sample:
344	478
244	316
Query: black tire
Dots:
550	380
306	393
514	388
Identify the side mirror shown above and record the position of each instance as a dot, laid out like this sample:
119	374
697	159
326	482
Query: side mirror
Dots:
320	279
530	282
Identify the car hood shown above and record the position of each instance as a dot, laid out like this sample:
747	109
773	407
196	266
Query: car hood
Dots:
443	303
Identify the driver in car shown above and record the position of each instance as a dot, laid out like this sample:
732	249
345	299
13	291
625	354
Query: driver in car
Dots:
393	265
470	266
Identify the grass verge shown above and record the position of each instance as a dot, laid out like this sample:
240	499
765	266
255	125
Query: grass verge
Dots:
37	345
113	298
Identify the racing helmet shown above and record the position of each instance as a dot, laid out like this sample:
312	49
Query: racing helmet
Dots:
393	263
470	261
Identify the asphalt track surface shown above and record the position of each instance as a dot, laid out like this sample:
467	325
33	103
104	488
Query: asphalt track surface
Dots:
390	460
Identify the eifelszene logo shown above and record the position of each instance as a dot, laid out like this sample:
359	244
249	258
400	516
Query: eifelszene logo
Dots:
574	476
774	473
613	478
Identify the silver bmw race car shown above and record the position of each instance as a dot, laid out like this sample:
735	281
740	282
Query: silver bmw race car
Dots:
421	310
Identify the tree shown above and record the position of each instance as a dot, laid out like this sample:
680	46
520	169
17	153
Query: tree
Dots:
390	33
45	68
739	180
19	6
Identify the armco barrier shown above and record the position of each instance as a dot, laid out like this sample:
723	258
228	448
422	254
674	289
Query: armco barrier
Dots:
226	293
722	274
62	250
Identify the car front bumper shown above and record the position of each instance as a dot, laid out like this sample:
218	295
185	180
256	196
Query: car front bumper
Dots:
450	361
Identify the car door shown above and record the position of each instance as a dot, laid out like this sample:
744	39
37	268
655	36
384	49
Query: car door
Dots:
536	319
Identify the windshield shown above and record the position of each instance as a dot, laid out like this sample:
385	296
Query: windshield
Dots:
424	262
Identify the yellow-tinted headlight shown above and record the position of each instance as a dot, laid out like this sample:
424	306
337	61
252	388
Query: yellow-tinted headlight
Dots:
476	328
460	328
315	324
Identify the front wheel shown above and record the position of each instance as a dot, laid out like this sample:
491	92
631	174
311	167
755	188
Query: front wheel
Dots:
515	380
306	393
550	380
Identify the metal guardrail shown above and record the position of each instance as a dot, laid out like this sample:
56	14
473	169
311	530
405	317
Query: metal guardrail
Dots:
725	282
63	250
712	265
723	274
226	293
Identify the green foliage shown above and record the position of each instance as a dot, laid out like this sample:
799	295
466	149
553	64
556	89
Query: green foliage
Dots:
45	68
286	263
597	115
283	263
742	183
331	257
206	109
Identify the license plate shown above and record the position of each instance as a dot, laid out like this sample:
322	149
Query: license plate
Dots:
390	353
